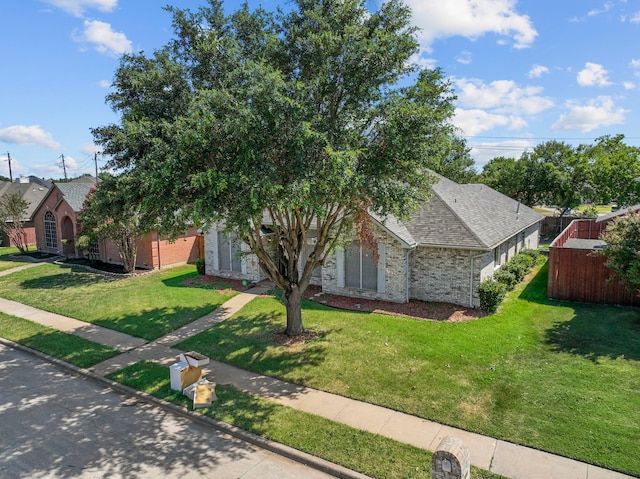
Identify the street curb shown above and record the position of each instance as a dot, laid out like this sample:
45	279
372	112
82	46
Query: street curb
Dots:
275	447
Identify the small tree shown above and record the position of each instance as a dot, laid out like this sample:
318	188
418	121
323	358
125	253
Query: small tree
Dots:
623	251
113	211
13	210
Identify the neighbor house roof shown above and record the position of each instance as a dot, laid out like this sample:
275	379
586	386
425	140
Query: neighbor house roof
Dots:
32	193
471	216
620	212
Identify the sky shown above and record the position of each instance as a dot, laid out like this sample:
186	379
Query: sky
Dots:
524	72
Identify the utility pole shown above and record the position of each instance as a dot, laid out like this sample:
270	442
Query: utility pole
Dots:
9	160
95	161
64	167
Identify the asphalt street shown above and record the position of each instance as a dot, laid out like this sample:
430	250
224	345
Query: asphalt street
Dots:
57	425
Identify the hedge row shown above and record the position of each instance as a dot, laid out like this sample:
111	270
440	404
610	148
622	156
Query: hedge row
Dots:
493	290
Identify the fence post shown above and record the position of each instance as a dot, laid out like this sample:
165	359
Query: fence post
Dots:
451	460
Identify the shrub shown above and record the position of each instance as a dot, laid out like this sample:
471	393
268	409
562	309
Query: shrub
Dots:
491	294
200	266
506	277
531	253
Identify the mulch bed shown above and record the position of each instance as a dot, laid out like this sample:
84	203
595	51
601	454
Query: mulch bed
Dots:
206	280
413	309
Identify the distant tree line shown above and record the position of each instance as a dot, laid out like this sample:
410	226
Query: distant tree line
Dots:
560	175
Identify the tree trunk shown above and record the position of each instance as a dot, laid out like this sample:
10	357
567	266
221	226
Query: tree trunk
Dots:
293	302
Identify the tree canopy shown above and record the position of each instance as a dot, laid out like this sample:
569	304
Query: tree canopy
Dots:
555	173
623	249
113	211
309	117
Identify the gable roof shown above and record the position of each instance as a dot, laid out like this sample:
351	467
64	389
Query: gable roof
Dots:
471	216
32	193
75	193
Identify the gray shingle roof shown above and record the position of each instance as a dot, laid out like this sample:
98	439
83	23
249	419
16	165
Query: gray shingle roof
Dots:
619	212
32	193
467	216
75	193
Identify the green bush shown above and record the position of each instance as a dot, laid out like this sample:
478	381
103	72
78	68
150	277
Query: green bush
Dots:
517	268
506	277
491	295
200	266
531	253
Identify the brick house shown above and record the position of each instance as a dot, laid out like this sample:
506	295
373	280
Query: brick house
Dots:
32	190
441	254
57	228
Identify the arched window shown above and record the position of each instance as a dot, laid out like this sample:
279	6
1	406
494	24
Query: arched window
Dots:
50	236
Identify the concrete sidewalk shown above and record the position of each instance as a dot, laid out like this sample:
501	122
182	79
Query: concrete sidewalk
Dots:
504	458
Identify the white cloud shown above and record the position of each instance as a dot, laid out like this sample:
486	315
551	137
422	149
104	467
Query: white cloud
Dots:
629	85
77	7
474	122
635	18
484	152
104	84
598	11
504	96
31	135
104	38
596	113
537	71
464	57
471	19
593	75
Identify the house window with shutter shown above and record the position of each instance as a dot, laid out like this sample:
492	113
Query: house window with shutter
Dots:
360	268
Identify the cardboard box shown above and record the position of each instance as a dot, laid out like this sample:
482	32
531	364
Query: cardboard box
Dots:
202	393
194	359
183	375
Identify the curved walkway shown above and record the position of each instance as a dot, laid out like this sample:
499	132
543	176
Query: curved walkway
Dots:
501	457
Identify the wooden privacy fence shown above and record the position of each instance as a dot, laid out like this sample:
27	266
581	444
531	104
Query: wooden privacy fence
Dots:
580	274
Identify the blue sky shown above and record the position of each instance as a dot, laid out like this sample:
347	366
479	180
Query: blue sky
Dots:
525	72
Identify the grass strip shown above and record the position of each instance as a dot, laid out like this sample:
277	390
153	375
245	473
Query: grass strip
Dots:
368	453
72	349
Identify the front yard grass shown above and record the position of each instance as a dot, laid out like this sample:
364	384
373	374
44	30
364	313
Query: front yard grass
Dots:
69	348
559	376
371	454
147	306
6	259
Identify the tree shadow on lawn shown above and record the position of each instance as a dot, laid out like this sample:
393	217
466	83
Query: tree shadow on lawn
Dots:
61	281
593	331
249	342
154	323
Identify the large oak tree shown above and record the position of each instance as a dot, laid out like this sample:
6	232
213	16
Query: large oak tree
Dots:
310	117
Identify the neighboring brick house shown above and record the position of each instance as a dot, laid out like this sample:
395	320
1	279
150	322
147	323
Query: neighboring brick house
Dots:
441	254
57	229
31	189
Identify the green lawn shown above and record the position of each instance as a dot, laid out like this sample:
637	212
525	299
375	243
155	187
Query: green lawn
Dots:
371	454
69	348
6	262
558	376
147	306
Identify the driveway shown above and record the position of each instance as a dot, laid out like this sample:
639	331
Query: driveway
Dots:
55	425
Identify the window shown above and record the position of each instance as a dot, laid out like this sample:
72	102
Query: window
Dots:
360	267
522	240
50	236
94	250
497	255
229	252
